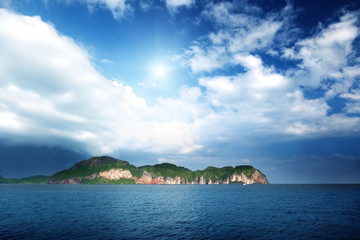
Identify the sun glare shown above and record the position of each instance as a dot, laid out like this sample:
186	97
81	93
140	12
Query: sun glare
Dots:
159	70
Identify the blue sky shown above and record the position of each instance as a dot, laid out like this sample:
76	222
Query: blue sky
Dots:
274	84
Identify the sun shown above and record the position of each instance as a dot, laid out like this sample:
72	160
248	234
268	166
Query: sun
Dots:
159	70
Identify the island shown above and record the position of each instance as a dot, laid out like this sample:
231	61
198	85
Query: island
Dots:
108	170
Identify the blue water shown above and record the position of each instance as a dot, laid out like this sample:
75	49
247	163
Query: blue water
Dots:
180	212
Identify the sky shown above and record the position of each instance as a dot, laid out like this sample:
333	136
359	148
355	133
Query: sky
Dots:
273	84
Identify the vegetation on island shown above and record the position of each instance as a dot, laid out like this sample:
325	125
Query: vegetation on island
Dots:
26	180
167	170
212	173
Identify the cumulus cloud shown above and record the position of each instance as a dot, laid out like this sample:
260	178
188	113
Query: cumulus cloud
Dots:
49	89
257	84
326	55
229	14
237	32
173	5
207	60
240	28
119	8
353	101
257	101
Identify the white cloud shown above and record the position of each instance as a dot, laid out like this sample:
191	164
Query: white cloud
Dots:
353	107
325	55
119	8
344	80
237	33
9	121
241	26
228	15
261	102
353	104
187	108
106	61
353	95
251	112
49	89
145	5
257	84
173	5
255	38
206	60
123	8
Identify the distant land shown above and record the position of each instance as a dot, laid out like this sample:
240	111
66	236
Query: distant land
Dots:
26	180
108	170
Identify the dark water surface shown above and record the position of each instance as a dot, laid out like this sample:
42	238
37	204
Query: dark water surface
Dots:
179	212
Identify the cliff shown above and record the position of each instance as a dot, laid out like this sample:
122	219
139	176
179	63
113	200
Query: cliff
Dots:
107	170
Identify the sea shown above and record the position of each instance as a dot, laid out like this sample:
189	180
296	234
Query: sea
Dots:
179	211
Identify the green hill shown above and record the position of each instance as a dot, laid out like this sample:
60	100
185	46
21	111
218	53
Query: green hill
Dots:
95	165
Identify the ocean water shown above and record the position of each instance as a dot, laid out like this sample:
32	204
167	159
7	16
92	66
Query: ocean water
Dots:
179	212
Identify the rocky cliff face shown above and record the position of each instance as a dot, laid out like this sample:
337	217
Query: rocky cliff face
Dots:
147	178
256	178
112	174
